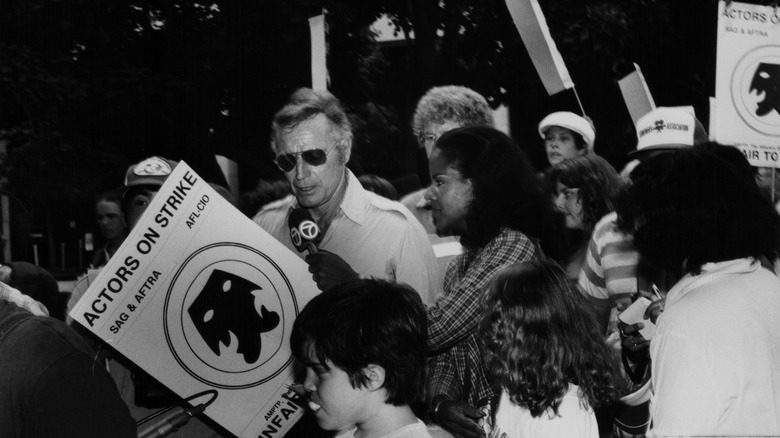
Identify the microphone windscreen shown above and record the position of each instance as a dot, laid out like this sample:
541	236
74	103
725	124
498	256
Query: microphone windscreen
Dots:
303	229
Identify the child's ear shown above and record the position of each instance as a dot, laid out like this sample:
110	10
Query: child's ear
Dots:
375	375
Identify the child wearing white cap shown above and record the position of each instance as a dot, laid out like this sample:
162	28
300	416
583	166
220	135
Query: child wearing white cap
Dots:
566	135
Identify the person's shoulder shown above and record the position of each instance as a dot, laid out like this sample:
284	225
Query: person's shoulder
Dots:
607	223
511	237
390	209
274	209
606	230
24	328
414	199
417	429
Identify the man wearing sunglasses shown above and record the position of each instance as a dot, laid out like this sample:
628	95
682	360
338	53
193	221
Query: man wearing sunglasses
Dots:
362	233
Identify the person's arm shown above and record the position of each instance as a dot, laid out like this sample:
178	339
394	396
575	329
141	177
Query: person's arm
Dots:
456	314
416	264
76	398
446	408
599	308
11	295
592	284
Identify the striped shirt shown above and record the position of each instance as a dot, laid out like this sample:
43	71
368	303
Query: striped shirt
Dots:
610	269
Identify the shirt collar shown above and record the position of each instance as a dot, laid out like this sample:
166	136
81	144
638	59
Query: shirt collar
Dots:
355	199
710	272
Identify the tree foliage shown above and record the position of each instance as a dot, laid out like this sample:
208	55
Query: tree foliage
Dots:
107	83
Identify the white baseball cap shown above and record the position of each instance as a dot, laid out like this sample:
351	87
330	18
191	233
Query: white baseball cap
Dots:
569	120
668	128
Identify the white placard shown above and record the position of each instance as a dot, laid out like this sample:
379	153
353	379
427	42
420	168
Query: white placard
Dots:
748	81
202	298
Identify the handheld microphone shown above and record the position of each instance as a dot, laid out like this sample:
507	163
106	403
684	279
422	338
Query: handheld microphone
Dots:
304	232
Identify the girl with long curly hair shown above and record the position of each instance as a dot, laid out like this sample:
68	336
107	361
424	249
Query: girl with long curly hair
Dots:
546	353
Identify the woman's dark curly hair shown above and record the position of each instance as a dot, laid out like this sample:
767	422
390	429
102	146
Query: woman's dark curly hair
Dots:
698	205
506	190
539	338
598	183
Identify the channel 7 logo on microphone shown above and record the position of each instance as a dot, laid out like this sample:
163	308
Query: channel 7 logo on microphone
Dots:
228	314
307	230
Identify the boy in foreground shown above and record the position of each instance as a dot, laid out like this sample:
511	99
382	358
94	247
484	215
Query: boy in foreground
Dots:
363	345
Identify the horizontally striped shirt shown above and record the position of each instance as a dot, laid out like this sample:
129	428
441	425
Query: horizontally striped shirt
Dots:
610	268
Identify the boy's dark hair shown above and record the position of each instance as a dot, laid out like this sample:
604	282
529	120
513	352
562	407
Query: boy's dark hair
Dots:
364	322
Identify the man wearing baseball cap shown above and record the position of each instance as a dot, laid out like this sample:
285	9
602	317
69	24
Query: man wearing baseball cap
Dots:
613	274
142	395
142	181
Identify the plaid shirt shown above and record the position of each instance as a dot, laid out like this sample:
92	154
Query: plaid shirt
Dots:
457	370
7	293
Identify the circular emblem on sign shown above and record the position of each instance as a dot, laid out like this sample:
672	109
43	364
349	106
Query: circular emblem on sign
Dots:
309	230
755	89
228	311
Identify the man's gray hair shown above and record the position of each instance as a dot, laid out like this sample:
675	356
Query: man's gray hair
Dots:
305	104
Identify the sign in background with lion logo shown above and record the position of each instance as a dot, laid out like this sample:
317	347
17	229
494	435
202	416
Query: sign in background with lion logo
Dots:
747	105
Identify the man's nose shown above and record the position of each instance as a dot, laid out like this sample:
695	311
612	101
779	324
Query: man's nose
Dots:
301	168
428	196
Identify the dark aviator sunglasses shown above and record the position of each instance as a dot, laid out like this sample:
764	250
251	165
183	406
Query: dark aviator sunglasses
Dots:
314	157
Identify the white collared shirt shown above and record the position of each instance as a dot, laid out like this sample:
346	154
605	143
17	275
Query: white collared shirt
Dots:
377	237
716	354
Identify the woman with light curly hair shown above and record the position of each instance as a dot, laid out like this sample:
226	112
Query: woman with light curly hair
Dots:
444	108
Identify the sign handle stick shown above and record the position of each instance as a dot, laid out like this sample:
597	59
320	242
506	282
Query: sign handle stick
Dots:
773	185
579	102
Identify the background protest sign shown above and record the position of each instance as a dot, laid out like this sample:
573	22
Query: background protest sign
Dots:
319	50
636	94
202	298
530	22
748	81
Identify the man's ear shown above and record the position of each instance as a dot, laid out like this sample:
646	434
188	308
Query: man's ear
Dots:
345	150
375	375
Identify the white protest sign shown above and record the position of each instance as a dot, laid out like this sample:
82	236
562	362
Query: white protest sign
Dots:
530	22
202	299
748	81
